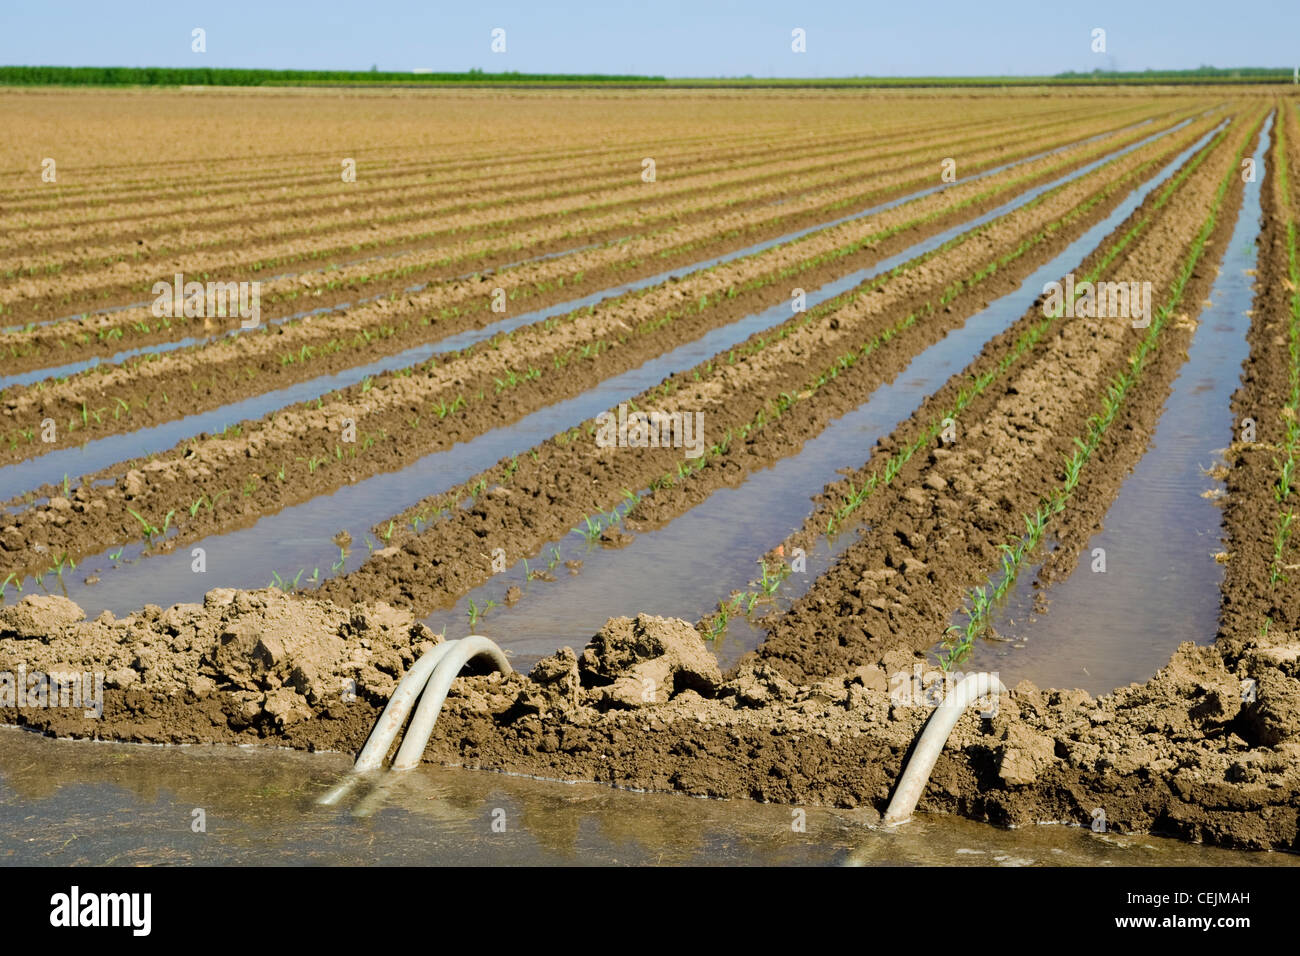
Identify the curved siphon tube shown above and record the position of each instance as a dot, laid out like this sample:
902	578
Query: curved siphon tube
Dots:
430	679
435	694
398	706
916	773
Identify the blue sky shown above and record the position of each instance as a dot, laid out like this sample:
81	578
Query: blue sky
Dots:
668	37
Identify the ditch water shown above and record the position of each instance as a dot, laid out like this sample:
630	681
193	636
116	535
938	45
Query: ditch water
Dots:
100	453
300	537
659	572
79	803
1161	583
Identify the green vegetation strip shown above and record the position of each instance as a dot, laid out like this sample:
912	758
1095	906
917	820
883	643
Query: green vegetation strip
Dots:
202	76
193	76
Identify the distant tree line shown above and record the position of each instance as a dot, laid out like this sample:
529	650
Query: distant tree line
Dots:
1261	74
206	76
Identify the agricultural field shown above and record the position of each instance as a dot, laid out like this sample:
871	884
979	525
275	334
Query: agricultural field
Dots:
745	422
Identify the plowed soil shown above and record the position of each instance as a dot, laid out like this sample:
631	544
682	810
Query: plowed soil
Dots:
824	711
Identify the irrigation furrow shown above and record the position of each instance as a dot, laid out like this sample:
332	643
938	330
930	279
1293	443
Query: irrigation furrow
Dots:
545	349
545	421
1260	611
1155	582
798	447
430	254
563	456
255	362
931	517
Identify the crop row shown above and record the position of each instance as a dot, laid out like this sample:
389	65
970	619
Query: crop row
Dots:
482	234
1288	477
301	346
980	603
841	501
205	180
310	192
560	456
411	395
410	198
457	209
68	340
271	182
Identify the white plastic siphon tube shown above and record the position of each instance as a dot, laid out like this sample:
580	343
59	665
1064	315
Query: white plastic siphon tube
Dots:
399	705
916	774
430	678
435	694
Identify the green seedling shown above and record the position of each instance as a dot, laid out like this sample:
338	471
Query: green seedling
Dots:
592	530
147	529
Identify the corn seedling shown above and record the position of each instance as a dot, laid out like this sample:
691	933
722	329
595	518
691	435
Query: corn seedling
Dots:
592	529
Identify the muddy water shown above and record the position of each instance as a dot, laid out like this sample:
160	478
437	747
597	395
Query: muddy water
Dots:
80	803
659	571
100	453
1161	583
298	539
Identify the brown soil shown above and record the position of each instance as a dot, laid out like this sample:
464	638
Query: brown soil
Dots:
934	531
538	195
550	493
644	706
820	714
245	472
205	376
468	234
